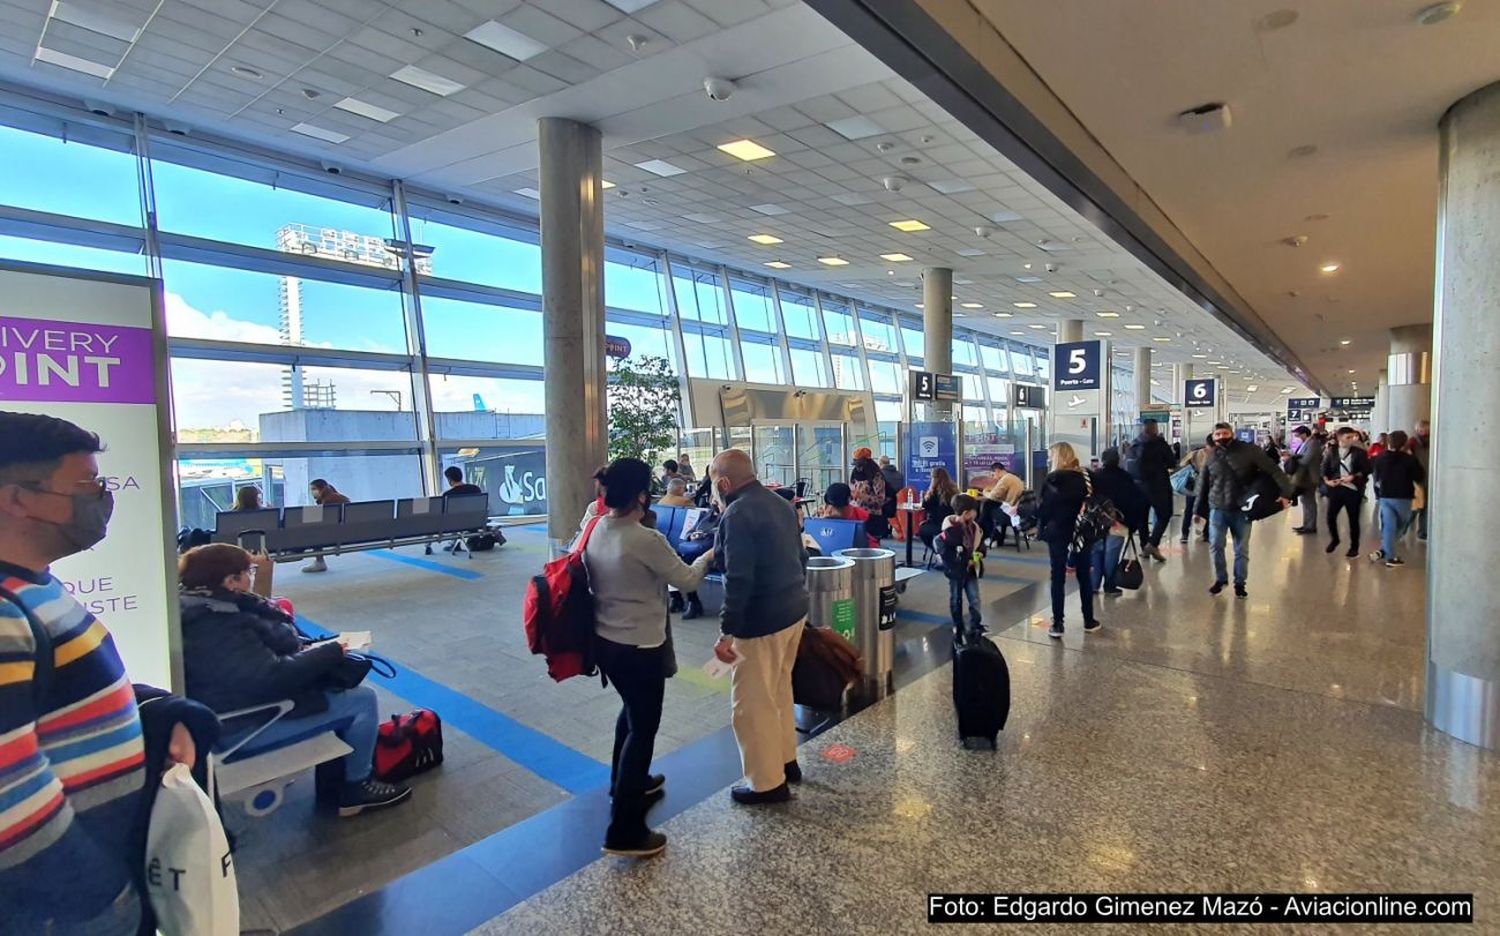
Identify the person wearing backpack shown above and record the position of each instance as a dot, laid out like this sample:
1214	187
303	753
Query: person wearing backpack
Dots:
1227	471
959	544
1067	489
630	564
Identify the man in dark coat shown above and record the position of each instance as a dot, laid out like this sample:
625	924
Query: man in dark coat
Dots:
1153	472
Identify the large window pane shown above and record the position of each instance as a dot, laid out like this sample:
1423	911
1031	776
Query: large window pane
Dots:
479	257
207	486
762	363
709	356
1021	361
752	307
515	478
45	174
885	377
1043	365
643	339
963	351
71	255
222	207
807	368
994	358
487	407
700	298
999	393
848	374
635	285
911	336
838	321
237	305
480	332
800	315
973	392
879	333
260	403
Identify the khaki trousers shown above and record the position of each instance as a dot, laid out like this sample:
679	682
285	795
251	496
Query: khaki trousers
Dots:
760	699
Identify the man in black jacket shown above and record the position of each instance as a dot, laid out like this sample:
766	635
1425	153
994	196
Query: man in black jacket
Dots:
1153	472
1230	467
1346	468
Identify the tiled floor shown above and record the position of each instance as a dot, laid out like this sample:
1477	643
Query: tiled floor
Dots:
1197	743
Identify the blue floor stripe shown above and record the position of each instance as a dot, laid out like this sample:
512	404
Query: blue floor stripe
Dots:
539	753
428	564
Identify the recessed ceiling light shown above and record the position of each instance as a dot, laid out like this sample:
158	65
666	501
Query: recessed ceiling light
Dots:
951	186
606	184
1330	267
972	305
1345	341
833	261
778	265
1024	305
919	305
660	167
93	21
245	71
366	109
770	210
1062	294
910	226
1039	327
1438	12
1002	315
430	82
1108	314
1104	334
1252	388
970	252
1200	355
765	239
1351	370
747	150
1160	338
529	193
855	128
895	257
320	133
1135	327
506	41
1216	362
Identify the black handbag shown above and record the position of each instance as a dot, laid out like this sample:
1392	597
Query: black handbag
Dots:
1130	574
352	670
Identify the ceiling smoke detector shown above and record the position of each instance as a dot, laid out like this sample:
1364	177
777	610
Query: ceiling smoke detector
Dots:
893	183
1205	118
1296	240
1438	12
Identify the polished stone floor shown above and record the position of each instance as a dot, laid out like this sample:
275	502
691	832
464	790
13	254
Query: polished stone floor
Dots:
1196	743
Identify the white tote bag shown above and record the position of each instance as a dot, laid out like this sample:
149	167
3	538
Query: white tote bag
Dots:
189	871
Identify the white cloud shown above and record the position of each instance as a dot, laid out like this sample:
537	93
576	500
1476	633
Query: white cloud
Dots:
185	321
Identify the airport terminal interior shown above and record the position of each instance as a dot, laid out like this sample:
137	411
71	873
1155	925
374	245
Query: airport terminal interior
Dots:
382	244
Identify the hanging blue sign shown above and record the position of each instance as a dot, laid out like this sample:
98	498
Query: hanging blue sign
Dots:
1076	365
1199	394
1294	404
929	445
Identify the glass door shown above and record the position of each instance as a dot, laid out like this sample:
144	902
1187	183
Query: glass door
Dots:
775	454
821	455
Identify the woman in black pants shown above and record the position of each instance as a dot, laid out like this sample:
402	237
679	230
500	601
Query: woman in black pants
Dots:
1346	468
630	564
1064	493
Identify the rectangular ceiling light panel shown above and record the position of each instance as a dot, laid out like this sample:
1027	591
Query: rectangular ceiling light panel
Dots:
910	226
320	133
660	167
951	186
747	150
766	239
73	63
366	109
506	41
769	209
426	80
94	21
855	128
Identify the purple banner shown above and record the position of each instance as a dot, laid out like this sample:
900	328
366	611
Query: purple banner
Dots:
44	361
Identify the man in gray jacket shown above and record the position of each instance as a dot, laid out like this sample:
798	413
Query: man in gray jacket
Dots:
1307	449
765	607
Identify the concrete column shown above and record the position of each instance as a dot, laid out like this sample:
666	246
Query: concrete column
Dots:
1181	374
937	328
1380	419
1142	378
1463	602
1409	377
572	236
1069	330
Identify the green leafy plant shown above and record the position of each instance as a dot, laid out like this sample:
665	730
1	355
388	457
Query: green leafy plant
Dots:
642	408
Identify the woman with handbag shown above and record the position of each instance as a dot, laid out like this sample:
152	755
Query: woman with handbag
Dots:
240	650
1065	492
630	564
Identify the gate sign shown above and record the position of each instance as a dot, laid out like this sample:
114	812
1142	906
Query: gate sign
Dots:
1030	397
91	349
946	387
1353	404
1199	394
1075	365
1297	404
923	386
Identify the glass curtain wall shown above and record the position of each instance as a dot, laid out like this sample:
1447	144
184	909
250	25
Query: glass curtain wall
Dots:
390	331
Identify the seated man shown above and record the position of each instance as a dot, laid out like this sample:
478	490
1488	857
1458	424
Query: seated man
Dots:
239	650
676	495
457	487
837	506
1004	489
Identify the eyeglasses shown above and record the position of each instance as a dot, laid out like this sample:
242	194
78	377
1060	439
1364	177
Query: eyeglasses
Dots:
95	486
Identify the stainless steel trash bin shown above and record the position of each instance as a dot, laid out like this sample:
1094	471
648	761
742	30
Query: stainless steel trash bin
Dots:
830	590
874	612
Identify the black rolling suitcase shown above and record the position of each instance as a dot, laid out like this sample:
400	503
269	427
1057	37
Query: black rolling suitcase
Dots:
981	690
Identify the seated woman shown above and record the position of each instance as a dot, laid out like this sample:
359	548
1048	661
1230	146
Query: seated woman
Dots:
239	650
937	504
248	498
837	506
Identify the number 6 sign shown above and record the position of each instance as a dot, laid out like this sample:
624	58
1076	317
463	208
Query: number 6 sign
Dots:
1075	365
1199	393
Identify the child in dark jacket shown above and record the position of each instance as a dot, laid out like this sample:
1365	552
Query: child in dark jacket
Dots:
959	544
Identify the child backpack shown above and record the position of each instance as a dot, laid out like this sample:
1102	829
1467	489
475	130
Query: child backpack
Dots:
559	613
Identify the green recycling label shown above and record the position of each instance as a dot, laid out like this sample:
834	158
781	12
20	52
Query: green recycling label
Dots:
843	617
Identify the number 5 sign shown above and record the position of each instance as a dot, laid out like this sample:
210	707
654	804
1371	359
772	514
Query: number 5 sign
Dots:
1075	365
1199	394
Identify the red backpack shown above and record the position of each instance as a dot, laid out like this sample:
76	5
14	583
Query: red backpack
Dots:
559	614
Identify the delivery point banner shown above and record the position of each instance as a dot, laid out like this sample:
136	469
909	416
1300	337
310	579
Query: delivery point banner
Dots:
84	350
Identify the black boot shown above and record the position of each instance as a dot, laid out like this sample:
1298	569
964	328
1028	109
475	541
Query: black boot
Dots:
628	835
694	607
675	606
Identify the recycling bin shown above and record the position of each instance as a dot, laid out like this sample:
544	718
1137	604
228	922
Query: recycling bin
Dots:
874	576
830	590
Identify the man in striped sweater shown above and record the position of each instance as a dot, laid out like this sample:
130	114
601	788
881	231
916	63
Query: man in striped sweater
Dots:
74	762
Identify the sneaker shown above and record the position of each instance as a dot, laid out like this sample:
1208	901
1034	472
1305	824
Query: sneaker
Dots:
1394	561
1216	587
1377	555
1239	592
317	565
1183	540
748	797
1090	626
355	798
1113	592
649	845
793	772
1055	631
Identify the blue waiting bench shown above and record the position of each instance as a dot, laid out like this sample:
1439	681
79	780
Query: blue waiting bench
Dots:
832	534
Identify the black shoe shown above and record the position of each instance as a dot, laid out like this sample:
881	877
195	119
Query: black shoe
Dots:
654	783
1331	546
1113	592
1056	630
1300	530
1183	541
1239	592
1216	587
652	798
793	772
694	610
675	605
1395	562
355	798
1353	552
644	845
748	797
1090	626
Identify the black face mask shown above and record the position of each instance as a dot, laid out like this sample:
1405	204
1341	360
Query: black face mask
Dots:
1223	443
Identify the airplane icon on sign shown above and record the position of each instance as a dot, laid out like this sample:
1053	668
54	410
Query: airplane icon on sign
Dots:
1076	401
